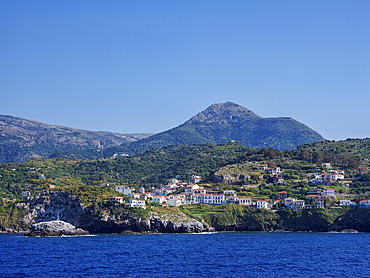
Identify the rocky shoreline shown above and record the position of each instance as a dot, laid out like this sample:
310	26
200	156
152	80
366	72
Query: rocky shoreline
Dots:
119	220
55	228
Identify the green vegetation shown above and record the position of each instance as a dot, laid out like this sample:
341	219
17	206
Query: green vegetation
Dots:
152	168
219	123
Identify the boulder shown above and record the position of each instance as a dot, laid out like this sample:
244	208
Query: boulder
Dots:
55	228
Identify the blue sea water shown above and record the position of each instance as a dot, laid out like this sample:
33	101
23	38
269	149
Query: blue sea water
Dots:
245	254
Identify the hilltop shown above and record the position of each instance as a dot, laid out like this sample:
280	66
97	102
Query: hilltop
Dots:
219	123
23	139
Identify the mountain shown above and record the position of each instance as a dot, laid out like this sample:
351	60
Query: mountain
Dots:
220	123
23	139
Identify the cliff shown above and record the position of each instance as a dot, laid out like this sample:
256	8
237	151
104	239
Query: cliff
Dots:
116	218
108	218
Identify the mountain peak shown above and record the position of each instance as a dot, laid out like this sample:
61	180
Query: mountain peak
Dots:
218	112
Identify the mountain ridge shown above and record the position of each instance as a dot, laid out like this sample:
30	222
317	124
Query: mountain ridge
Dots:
217	124
23	139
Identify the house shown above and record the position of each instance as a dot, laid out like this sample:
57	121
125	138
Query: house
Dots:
296	205
142	189
330	192
160	199
195	179
262	167
283	195
173	181
337	176
344	202
274	171
229	192
325	178
232	200
41	176
316	191
116	199
277	178
144	196
25	193
174	202
326	165
261	204
213	199
181	197
365	203
245	201
199	190
137	203
195	189
191	187
123	189
134	195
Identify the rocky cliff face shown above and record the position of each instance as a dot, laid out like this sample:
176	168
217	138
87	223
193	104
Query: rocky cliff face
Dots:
63	206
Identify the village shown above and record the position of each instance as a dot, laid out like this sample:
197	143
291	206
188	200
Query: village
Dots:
177	193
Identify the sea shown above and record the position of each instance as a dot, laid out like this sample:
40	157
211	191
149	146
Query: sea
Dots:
225	254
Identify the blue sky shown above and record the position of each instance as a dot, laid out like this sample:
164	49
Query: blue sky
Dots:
148	66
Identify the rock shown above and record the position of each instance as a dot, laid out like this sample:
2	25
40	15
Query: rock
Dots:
353	231
55	228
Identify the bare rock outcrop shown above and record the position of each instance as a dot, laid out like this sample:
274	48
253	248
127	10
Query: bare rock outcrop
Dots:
55	228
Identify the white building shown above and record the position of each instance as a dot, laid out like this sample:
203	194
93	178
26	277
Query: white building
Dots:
174	202
123	189
296	205
326	165
262	167
274	171
344	202
365	203
329	191
195	179
117	199
245	201
137	203
160	199
261	204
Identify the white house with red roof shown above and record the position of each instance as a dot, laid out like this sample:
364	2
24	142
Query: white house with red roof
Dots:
326	165
116	199
232	200
296	205
160	199
365	203
262	167
274	171
329	191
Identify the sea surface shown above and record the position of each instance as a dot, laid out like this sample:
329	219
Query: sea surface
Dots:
245	254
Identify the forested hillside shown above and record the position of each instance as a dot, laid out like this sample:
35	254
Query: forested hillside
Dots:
219	123
157	166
